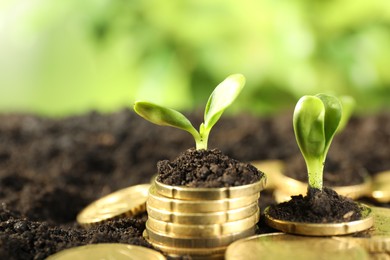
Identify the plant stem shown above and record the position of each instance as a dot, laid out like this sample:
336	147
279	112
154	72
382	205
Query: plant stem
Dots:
315	168
201	143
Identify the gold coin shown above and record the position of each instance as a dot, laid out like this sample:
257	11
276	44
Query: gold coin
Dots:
274	170
322	229
380	256
125	202
203	218
212	230
158	201
193	252
107	252
283	246
153	179
196	242
189	193
381	187
377	238
281	196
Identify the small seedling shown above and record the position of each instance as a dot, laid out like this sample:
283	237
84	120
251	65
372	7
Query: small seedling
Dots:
316	120
223	95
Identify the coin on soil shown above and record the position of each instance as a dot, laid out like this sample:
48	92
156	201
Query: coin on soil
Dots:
189	252
203	218
212	230
381	187
158	201
274	170
284	246
107	252
125	202
322	229
377	238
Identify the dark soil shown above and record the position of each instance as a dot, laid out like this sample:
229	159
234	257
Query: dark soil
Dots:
51	169
206	169
317	206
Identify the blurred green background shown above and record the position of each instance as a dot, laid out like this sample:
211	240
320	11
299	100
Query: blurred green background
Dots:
68	57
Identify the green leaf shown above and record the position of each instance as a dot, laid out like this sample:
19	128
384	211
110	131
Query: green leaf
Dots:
308	123
164	116
223	95
333	113
348	104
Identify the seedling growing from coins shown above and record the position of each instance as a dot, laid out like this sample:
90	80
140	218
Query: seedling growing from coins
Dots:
316	120
222	97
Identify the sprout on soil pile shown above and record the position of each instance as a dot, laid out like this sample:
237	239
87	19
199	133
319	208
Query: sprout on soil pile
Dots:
223	95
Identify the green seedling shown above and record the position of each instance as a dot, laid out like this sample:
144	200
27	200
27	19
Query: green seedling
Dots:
316	120
222	96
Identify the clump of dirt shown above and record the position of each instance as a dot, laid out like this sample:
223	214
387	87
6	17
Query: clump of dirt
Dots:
318	206
206	169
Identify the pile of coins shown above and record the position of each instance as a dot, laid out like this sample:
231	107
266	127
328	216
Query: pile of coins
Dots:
201	221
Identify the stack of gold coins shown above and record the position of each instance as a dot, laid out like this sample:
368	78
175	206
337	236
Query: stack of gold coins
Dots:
201	222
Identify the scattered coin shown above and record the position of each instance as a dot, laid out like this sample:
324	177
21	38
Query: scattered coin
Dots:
274	170
284	246
322	229
355	191
381	187
125	202
158	201
290	187
107	252
195	242
188	193
203	218
377	238
211	230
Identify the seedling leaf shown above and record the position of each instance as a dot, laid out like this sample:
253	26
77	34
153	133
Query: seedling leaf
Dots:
163	116
333	113
222	97
348	104
308	122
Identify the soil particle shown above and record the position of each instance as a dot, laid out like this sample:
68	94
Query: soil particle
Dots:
207	169
317	206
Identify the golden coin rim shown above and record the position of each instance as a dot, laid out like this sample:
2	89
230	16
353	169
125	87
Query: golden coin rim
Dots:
156	200
195	242
231	249
203	218
321	229
137	190
185	251
191	193
147	253
211	230
375	243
